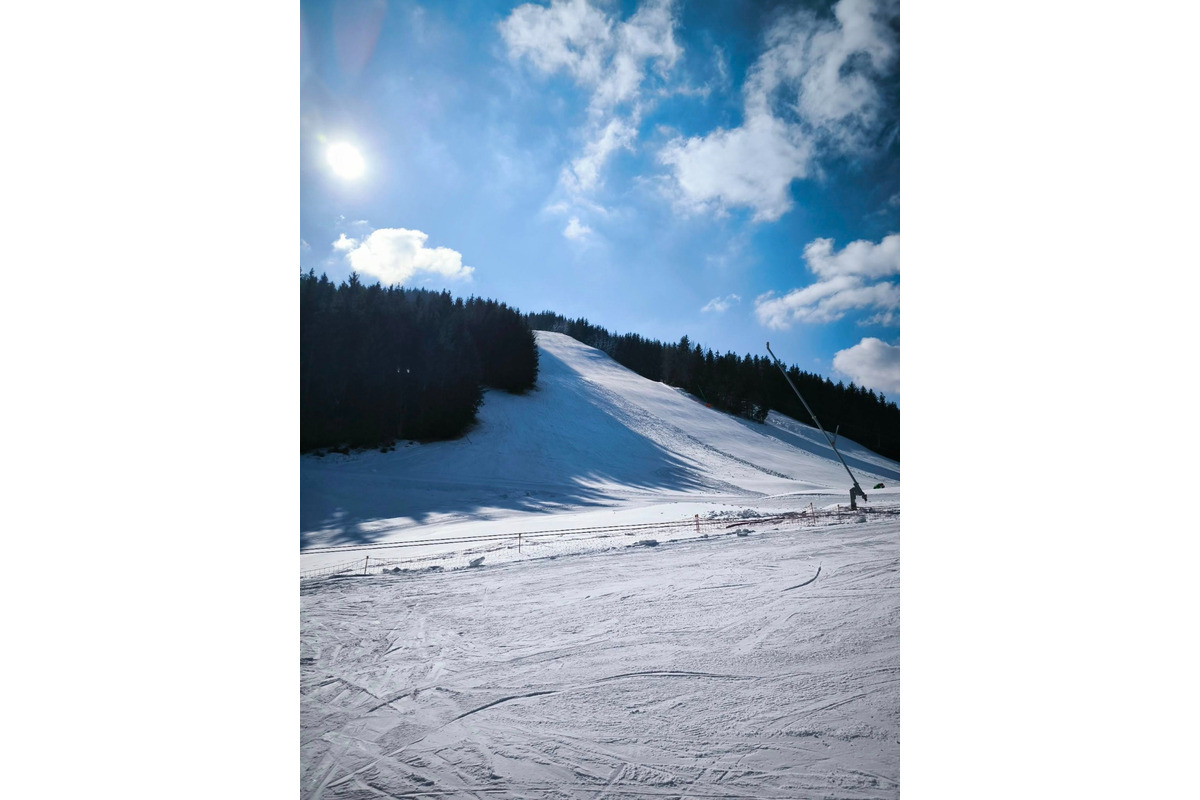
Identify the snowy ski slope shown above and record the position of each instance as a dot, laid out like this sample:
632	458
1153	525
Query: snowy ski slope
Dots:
757	661
592	444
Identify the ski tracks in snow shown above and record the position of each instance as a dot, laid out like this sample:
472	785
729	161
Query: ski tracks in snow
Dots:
692	670
674	438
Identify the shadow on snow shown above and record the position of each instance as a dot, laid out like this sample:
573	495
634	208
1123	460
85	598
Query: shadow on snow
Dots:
555	447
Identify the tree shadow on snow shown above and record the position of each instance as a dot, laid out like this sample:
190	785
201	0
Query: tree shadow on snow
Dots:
542	452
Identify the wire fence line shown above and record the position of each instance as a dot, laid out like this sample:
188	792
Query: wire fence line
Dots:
463	550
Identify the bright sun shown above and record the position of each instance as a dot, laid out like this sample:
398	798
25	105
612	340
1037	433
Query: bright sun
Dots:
345	159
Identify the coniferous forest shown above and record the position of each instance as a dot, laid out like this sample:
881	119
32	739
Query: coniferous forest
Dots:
748	386
379	364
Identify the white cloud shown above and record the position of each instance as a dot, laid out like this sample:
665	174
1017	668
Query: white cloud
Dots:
571	208
813	90
569	35
721	304
753	165
575	230
608	57
857	258
872	363
889	318
602	54
721	65
845	287
823	303
395	255
584	172
649	35
829	69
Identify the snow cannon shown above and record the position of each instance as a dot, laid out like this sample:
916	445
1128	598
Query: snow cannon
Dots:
855	489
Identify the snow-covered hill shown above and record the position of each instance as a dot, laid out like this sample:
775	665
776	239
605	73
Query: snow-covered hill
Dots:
754	659
592	436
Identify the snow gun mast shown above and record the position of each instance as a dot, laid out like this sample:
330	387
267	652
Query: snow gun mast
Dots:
855	489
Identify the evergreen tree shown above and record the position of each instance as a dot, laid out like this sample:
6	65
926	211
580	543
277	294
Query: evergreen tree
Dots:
379	363
750	386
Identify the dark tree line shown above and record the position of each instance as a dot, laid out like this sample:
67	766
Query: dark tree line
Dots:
384	363
748	386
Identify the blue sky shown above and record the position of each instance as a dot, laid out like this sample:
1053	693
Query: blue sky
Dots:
729	171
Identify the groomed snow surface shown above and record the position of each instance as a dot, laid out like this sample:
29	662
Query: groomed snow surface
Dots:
747	659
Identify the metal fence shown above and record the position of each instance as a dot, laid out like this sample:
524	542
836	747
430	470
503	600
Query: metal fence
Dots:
467	551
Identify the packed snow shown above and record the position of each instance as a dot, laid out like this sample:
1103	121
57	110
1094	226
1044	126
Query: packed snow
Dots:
718	645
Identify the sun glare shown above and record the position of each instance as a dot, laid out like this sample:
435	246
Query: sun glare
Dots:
345	159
